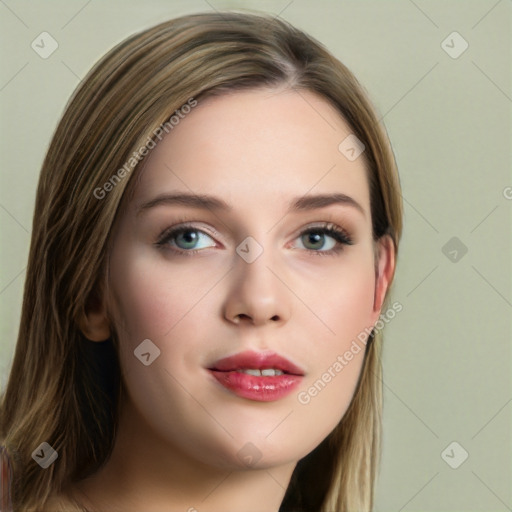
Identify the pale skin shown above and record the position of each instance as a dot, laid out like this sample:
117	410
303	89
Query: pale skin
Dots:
180	432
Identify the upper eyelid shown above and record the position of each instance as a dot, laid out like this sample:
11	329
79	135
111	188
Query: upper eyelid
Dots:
183	225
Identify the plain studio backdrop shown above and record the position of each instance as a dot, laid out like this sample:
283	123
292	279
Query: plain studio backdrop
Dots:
438	73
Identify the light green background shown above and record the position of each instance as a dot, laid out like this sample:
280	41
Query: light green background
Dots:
447	358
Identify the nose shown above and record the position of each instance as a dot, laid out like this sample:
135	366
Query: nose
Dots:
257	292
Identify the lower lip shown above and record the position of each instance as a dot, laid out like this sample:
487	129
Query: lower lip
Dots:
261	389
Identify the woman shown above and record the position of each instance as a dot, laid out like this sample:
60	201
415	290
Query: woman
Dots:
241	372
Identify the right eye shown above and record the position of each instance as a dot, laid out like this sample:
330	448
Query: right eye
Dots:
183	239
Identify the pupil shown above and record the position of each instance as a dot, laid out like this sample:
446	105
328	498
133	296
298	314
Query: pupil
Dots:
314	237
189	236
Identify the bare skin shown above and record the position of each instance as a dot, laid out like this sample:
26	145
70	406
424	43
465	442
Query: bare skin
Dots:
181	432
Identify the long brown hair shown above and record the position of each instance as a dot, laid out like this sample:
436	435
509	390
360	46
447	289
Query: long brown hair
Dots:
56	393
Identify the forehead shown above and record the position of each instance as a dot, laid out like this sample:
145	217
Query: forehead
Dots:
248	144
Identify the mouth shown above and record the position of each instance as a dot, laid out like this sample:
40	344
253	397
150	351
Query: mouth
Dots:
262	377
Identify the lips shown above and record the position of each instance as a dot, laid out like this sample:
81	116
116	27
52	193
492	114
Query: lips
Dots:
258	376
257	361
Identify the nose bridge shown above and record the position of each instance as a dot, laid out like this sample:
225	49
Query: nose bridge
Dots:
252	267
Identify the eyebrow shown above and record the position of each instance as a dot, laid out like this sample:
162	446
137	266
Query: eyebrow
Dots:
204	201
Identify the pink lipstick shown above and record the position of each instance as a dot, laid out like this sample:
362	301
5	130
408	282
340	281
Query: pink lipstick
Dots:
259	376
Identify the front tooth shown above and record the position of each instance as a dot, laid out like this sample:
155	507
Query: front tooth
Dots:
256	373
267	372
270	372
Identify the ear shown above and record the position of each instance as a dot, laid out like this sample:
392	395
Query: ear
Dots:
384	271
94	324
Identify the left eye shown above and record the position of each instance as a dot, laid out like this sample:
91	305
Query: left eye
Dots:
316	235
317	238
183	239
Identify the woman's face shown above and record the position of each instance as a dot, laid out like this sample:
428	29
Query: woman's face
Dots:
246	278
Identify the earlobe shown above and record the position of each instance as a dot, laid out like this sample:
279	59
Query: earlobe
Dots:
384	270
94	323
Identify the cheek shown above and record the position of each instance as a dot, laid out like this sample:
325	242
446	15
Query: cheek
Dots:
345	307
343	300
150	298
149	301
351	308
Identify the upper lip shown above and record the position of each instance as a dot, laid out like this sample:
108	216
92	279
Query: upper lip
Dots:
256	360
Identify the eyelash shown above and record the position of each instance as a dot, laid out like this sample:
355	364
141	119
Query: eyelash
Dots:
330	229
